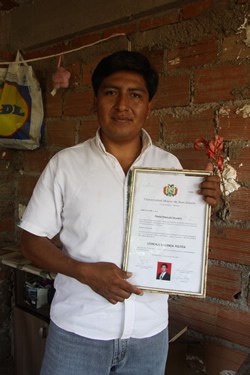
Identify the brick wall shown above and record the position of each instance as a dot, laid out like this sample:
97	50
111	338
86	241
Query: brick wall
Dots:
202	53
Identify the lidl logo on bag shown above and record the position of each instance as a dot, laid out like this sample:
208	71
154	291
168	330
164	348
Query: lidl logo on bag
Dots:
14	110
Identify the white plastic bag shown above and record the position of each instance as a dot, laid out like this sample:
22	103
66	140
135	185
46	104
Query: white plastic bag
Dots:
21	106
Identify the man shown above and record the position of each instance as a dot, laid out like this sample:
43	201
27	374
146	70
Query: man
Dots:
100	323
163	275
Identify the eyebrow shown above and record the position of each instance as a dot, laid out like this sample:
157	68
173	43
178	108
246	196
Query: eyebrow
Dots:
141	89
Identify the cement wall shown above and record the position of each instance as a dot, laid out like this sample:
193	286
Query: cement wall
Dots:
40	22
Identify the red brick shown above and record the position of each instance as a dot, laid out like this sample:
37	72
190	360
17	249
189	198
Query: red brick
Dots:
218	358
240	205
7	208
84	40
172	91
88	69
196	8
7	188
152	23
61	133
53	105
230	245
232	124
156	58
240	160
36	160
204	52
26	186
123	29
87	130
223	283
152	126
221	83
7	225
79	103
46	51
186	128
7	56
75	74
190	159
234	48
212	319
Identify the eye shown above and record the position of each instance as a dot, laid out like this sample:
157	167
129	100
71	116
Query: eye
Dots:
136	95
110	92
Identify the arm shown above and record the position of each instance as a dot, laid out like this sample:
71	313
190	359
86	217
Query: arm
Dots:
104	278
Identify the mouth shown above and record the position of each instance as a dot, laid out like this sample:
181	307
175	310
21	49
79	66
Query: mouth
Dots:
121	119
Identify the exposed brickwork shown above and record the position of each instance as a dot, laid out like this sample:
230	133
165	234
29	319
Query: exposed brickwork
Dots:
151	23
189	127
240	160
153	127
87	129
37	162
53	105
204	52
61	132
196	8
190	159
233	124
26	186
234	48
240	205
213	319
79	103
230	244
221	83
218	358
173	91
223	283
126	29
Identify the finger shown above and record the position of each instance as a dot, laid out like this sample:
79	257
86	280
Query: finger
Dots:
213	202
209	167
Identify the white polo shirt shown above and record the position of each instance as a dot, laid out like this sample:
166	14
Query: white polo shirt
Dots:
82	194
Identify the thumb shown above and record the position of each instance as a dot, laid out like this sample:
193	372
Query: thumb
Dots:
209	167
126	275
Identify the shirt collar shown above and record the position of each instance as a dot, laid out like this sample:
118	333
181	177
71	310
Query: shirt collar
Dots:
146	140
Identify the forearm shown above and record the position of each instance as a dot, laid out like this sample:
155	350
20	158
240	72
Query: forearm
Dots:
43	253
104	278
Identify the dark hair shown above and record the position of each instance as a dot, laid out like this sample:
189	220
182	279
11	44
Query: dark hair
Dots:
164	264
128	61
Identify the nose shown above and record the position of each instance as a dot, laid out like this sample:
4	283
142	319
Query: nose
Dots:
122	102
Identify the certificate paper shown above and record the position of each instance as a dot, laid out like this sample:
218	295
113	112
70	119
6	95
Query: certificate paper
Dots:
166	245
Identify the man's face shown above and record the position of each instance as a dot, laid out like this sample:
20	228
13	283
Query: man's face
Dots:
123	106
163	268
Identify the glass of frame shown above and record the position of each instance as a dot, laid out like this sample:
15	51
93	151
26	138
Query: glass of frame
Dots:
167	231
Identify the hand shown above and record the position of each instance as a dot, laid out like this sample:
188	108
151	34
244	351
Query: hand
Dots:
109	281
210	189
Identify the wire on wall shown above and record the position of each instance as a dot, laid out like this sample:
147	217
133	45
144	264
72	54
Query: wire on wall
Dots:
70	51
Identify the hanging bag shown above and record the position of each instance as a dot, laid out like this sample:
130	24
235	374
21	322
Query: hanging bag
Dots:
21	106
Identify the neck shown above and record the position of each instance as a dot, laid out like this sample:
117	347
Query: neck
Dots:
125	153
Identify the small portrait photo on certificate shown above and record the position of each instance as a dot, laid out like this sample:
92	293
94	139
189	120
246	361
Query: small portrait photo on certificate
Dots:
163	271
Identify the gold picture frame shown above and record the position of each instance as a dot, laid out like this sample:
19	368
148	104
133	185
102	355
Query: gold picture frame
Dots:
167	231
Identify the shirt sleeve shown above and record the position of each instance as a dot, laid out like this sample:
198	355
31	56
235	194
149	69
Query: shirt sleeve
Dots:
42	216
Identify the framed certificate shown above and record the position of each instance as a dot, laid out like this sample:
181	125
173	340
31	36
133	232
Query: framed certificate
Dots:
167	231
